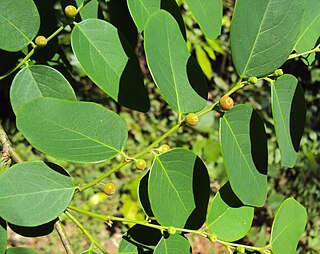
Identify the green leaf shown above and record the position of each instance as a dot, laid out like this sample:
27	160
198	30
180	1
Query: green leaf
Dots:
204	62
175	73
19	24
39	81
244	149
208	14
34	193
227	217
263	34
289	114
287	227
139	239
70	130
310	30
174	244
141	10
3	236
90	10
179	189
20	250
143	195
110	62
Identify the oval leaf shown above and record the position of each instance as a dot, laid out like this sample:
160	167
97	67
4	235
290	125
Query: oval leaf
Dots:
73	131
310	30
18	28
143	195
227	217
39	81
263	34
3	236
175	73
208	14
244	148
110	62
287	227
34	193
20	250
289	114
175	244
141	10
178	179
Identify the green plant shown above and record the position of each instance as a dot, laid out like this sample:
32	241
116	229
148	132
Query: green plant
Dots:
174	193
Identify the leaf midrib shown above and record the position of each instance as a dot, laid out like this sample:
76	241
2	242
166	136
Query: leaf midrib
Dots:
238	145
12	24
256	39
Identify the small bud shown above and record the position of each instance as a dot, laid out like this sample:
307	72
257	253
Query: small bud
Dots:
253	80
241	249
278	72
109	189
213	238
171	230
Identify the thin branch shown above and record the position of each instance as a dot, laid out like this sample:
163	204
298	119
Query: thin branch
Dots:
63	237
86	232
7	146
315	50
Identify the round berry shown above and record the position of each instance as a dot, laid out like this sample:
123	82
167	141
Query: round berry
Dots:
253	80
278	72
226	103
164	148
171	230
192	119
241	249
109	189
213	238
141	164
70	11
41	41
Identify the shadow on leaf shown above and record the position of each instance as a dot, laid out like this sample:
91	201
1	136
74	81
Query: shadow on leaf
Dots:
196	78
297	117
201	193
44	229
258	140
143	195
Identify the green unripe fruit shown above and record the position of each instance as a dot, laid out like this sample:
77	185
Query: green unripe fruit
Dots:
192	119
241	249
171	230
278	72
226	103
141	164
109	189
70	11
164	148
213	238
41	41
253	80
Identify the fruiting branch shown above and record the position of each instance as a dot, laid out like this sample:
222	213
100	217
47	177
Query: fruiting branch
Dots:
315	50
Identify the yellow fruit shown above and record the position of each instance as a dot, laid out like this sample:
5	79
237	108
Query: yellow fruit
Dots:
41	41
70	11
192	119
226	103
164	148
213	238
171	230
141	164
109	189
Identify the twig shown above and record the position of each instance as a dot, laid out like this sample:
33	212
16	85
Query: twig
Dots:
63	237
7	146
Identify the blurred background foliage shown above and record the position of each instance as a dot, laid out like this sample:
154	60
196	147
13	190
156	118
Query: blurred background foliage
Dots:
301	182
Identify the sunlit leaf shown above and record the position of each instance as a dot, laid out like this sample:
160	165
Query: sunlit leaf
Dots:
33	193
